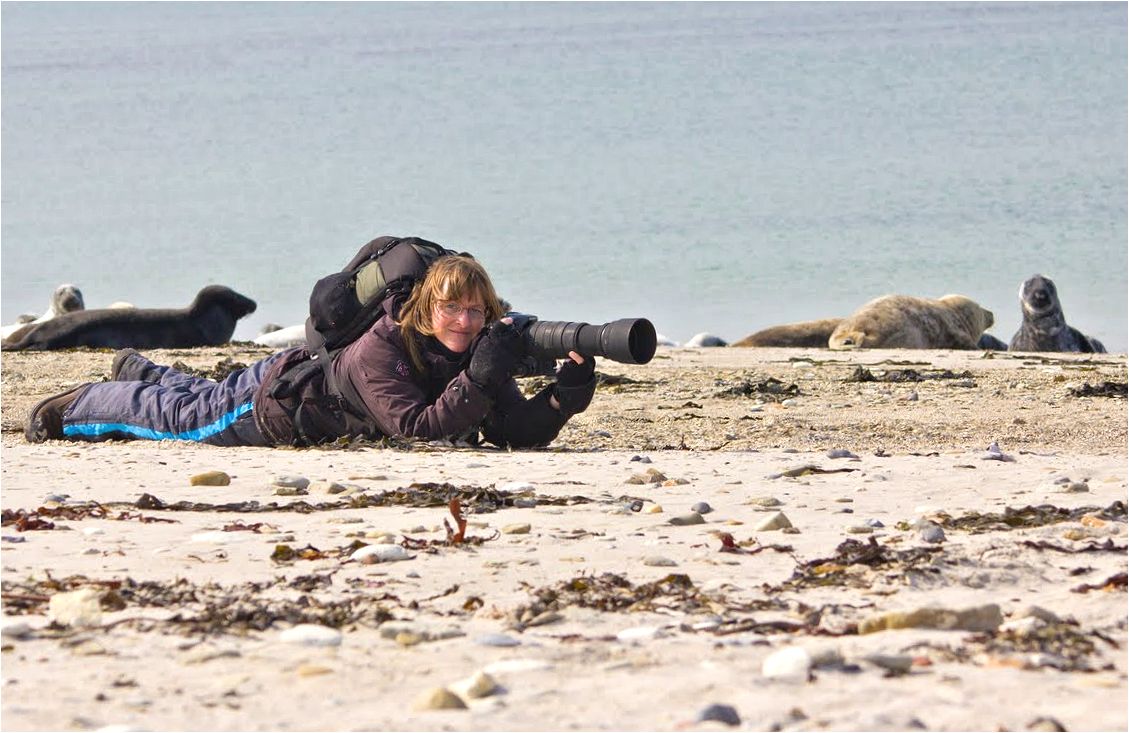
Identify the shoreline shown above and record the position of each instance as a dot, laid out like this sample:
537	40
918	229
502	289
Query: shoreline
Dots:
619	619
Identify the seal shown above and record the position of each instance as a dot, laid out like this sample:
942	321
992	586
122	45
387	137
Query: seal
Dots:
208	321
988	342
67	298
282	338
812	334
1044	326
907	322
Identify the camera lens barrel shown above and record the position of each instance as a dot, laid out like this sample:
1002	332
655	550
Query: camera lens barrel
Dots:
628	340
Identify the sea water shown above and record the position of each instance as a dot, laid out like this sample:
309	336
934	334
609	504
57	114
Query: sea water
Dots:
714	167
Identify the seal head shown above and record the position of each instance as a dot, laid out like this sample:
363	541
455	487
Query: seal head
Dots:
1044	326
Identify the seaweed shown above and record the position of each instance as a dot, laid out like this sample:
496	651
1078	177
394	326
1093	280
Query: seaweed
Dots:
834	570
1028	516
770	388
861	374
1105	389
1106	546
25	520
1118	581
223	368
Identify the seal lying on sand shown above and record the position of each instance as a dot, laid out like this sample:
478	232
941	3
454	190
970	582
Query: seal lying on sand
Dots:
1044	326
209	321
282	338
66	299
906	322
805	333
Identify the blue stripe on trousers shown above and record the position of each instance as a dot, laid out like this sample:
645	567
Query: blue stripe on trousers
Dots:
199	434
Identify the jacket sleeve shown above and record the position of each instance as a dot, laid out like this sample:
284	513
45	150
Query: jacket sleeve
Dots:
381	374
520	423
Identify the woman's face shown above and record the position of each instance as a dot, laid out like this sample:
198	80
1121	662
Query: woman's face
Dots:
457	322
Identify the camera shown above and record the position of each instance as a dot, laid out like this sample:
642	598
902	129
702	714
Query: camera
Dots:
628	341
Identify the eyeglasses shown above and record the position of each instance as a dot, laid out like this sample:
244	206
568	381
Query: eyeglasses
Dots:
453	310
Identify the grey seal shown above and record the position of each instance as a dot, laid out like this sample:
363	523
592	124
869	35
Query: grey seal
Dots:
907	322
67	298
1044	326
208	321
808	334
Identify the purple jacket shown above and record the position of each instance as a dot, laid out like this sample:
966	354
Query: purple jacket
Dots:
399	401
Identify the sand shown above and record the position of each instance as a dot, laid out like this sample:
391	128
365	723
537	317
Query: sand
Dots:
618	619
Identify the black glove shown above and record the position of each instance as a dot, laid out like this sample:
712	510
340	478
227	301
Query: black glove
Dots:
576	383
495	356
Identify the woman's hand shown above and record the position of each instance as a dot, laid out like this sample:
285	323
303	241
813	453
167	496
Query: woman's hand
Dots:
576	383
494	357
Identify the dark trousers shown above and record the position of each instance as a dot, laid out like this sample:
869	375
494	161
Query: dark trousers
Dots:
171	406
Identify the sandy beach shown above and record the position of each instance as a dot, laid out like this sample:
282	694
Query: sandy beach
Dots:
894	540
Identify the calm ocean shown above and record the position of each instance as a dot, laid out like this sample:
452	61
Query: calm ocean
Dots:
714	167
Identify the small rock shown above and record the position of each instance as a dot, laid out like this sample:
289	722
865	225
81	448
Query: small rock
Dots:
289	491
932	533
313	670
876	523
14	628
1076	487
327	487
293	482
210	478
773	521
439	698
721	713
701	508
516	529
791	664
658	561
641	459
56	498
76	608
764	501
372	554
501	640
311	635
896	663
1045	723
860	529
840	453
995	454
478	685
977	618
639	633
687	519
655	509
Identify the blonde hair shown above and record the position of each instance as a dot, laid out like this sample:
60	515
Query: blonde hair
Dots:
451	277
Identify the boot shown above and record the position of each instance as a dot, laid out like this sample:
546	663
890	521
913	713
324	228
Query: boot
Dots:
46	419
130	366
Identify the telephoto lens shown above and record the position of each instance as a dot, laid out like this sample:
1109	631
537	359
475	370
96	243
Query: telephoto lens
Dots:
628	340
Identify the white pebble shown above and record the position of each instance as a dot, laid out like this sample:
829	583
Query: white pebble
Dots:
639	633
294	482
89	531
790	664
76	608
311	635
479	684
370	554
776	520
14	628
516	487
658	561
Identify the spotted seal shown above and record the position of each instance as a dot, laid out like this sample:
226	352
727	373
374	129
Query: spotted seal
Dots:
907	322
67	298
208	321
1044	326
809	334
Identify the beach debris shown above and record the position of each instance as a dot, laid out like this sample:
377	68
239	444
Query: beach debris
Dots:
721	713
372	554
861	374
439	698
1104	389
1107	546
701	507
837	569
217	373
1119	581
808	469
82	607
284	553
686	519
774	521
976	618
210	478
25	521
311	635
790	664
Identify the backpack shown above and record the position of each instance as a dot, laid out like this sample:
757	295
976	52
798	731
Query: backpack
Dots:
345	304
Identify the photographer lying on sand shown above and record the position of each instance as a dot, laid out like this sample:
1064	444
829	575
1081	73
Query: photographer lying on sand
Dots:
430	367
